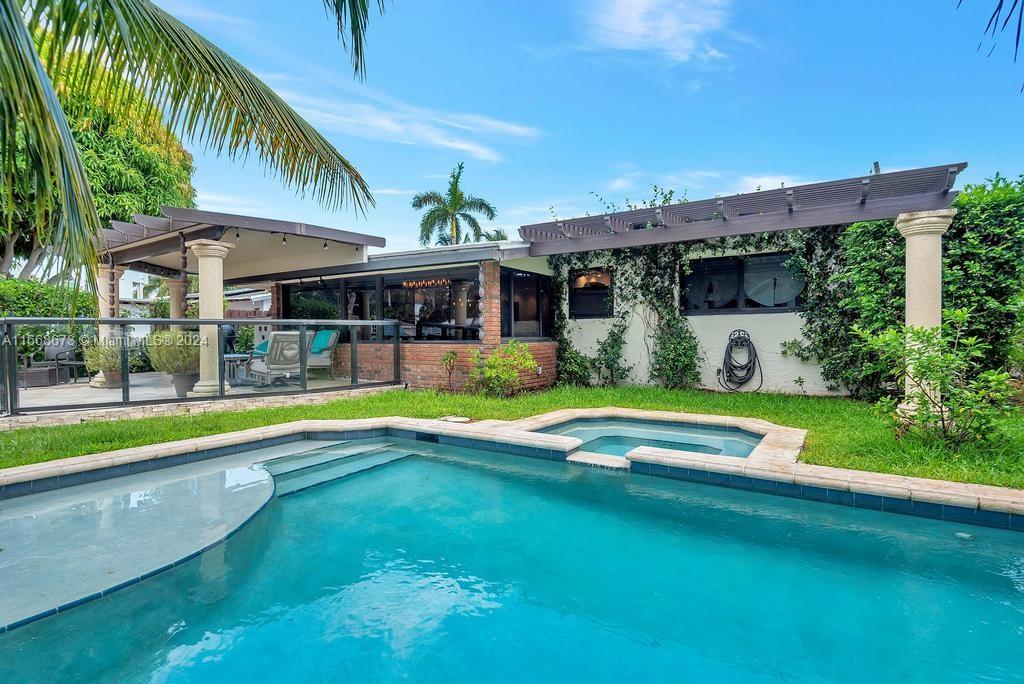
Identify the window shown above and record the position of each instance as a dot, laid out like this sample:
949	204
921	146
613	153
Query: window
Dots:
741	284
525	305
435	305
590	294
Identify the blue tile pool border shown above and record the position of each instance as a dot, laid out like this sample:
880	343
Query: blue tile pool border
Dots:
841	497
549	429
46	484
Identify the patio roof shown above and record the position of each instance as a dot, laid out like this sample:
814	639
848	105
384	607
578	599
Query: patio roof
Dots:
155	244
864	198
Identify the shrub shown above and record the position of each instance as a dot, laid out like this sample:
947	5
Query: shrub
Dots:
102	355
676	355
950	393
500	373
574	368
448	360
174	352
33	298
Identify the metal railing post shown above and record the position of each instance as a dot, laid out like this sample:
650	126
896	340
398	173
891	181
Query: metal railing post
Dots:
123	343
220	359
398	353
353	353
10	356
302	357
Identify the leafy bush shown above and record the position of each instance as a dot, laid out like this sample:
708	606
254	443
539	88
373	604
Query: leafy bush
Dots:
950	393
500	373
102	355
983	268
676	355
33	298
448	360
174	352
574	368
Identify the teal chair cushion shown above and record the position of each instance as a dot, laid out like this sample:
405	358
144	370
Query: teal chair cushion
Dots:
321	341
261	348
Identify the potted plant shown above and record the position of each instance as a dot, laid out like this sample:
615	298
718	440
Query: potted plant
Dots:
176	353
105	358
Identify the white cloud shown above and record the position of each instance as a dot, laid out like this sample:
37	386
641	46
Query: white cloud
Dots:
408	125
392	191
625	182
231	204
189	12
679	30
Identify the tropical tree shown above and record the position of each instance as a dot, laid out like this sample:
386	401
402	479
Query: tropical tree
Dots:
495	235
133	162
204	95
447	213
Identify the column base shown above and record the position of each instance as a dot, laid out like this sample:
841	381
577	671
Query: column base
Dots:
207	388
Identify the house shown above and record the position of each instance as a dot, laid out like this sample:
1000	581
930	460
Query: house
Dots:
475	296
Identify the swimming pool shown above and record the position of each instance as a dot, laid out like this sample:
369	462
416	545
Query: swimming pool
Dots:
619	436
451	564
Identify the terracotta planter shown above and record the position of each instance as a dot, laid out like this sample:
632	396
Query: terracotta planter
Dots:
113	379
183	383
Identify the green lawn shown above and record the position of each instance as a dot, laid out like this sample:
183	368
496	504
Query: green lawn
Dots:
841	432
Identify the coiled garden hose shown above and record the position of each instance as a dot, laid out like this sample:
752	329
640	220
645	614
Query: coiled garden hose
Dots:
735	373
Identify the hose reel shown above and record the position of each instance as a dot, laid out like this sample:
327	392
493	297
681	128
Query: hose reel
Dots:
740	363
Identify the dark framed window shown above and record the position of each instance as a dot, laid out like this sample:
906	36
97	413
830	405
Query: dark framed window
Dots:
591	294
525	304
753	284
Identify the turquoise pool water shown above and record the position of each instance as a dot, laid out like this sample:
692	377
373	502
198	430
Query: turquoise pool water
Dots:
619	436
461	566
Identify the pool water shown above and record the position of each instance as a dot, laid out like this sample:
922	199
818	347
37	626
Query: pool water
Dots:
619	436
453	565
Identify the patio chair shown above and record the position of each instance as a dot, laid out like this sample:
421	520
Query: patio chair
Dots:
279	363
320	350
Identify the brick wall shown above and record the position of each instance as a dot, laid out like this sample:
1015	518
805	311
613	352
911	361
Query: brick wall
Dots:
421	363
490	302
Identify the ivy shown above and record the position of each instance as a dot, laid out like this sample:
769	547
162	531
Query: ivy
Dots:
854	280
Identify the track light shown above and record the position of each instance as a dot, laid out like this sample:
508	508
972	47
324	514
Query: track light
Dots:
237	236
325	245
284	239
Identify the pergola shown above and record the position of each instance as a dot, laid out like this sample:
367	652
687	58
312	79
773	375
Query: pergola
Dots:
215	246
919	200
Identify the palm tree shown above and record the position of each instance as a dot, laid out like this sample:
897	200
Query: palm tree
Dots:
203	93
495	235
449	211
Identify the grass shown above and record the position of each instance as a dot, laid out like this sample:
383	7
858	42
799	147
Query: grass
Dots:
841	432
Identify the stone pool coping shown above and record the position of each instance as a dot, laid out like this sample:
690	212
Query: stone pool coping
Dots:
772	467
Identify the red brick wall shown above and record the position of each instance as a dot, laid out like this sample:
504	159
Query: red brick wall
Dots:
490	302
421	363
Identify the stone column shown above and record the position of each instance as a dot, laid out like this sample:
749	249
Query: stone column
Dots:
108	305
210	255
461	302
923	231
176	294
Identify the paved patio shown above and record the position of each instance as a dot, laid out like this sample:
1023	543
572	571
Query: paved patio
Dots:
153	386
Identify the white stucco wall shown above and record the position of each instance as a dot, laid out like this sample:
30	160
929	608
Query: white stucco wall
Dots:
767	331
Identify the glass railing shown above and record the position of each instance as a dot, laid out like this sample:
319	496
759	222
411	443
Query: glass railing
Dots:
51	364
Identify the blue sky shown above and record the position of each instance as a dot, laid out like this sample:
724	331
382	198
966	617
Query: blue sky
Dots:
547	102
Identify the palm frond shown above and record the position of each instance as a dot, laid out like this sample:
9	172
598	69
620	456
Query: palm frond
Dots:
352	16
435	220
206	95
473	224
428	199
495	235
479	206
31	119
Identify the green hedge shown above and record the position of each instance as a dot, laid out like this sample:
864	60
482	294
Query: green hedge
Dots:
33	298
983	271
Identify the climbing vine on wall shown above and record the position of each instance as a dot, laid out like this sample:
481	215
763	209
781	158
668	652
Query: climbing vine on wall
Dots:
854	276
